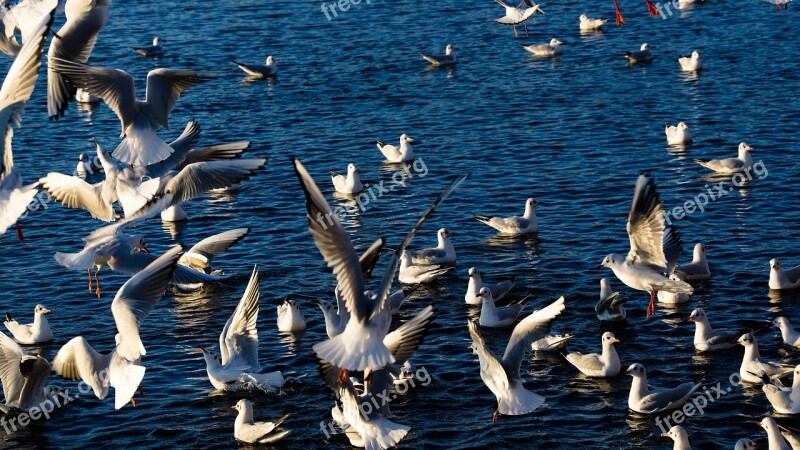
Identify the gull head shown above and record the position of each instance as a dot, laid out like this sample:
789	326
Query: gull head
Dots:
698	315
351	168
681	125
583	17
243	405
326	307
474	348
157	40
270	60
531	202
644	47
406	138
485	293
554	42
677	433
445	233
40	309
83	157
746	444
449	49
781	322
472	272
700	251
747	340
609	338
609	261
775	264
768	423
636	370
695	55
140	244
744	147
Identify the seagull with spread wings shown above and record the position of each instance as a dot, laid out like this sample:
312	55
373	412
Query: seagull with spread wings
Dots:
655	248
23	377
140	119
14	95
121	368
502	375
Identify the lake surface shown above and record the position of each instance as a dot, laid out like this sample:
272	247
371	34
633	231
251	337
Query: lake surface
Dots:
574	133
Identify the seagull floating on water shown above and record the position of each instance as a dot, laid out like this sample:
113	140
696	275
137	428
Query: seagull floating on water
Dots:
691	63
654	248
754	367
347	184
678	134
475	284
709	339
33	333
290	319
672	298
514	225
410	273
789	335
494	317
780	278
645	401
446	60
503	375
268	69
643	55
443	253
239	367
784	399
698	269
151	50
775	440
551	49
611	306
588	24
519	14
248	431
729	166
745	444
403	153
605	364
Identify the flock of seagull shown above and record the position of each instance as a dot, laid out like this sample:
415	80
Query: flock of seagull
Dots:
364	359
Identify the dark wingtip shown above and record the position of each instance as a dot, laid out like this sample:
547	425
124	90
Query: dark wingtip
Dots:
9	317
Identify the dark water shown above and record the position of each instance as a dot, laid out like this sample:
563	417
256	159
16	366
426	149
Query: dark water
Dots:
574	133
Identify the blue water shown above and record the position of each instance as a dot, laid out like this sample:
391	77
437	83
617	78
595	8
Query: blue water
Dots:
573	133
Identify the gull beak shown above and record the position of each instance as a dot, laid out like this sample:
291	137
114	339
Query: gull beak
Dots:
690	319
628	372
233	407
665	434
46	311
144	249
199	350
599	266
615	341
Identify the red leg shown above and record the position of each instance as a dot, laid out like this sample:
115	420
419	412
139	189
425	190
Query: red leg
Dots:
97	280
620	20
89	272
651	308
496	414
19	234
141	392
342	376
777	7
651	9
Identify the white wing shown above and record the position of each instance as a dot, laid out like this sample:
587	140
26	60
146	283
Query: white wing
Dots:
646	224
10	355
74	192
238	341
137	297
530	329
164	86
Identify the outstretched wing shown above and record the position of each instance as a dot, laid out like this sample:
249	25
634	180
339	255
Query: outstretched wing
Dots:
530	329
646	224
238	341
164	86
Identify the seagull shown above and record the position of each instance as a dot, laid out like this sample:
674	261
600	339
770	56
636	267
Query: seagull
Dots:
367	428
783	279
446	60
419	273
37	332
605	364
24	17
679	436
611	307
151	50
360	346
678	134
673	298
239	367
290	319
730	166
443	253
709	339
121	368
551	343
269	69
645	401
697	270
140	120
788	333
475	284
775	440
745	444
691	63
248	431
644	54
395	154
502	375
74	42
654	248
588	24
349	184
754	367
551	49
514	225
784	399
23	377
87	166
519	14
494	317
201	255
14	95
